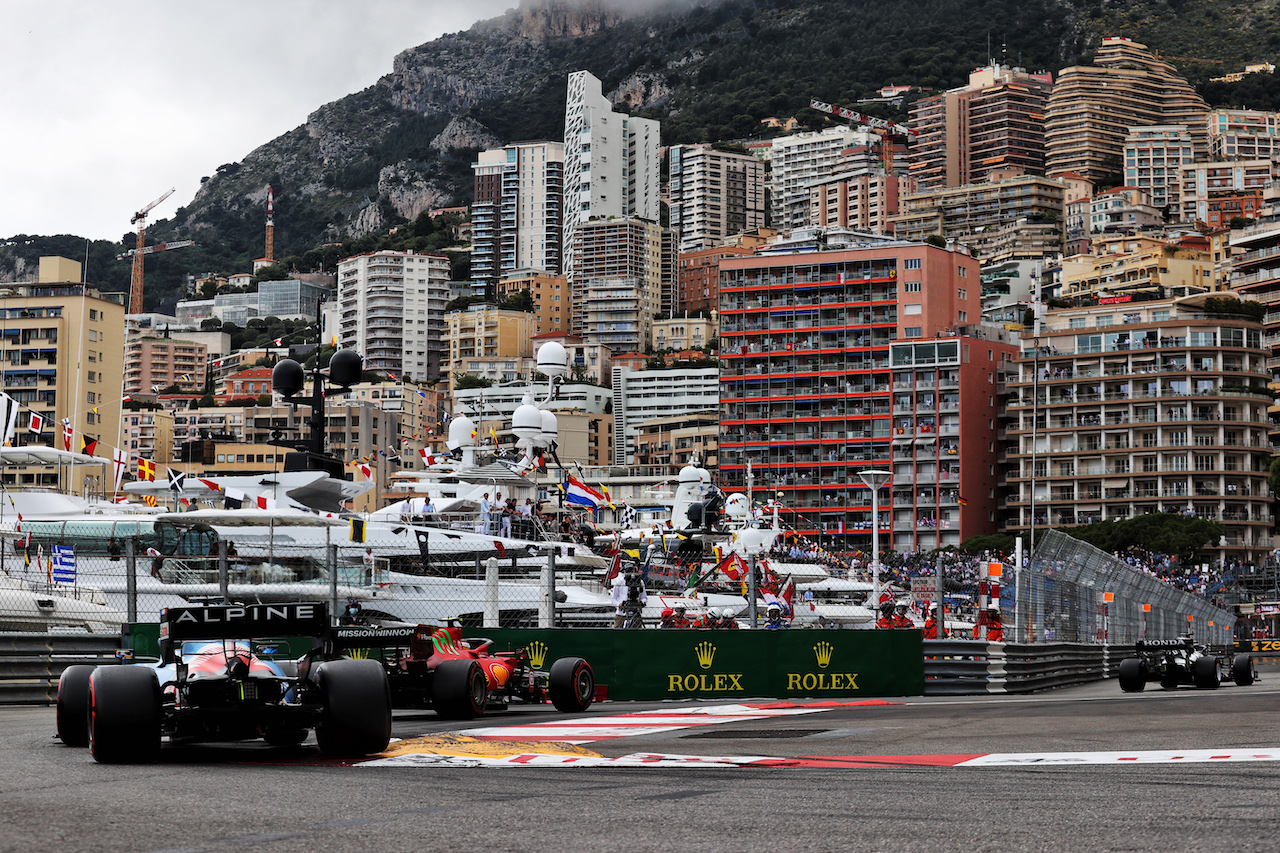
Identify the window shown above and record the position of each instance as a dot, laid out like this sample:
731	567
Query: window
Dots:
963	272
911	287
911	264
913	331
964	293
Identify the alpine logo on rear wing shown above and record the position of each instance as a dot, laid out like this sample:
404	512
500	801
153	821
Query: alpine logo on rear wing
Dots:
307	619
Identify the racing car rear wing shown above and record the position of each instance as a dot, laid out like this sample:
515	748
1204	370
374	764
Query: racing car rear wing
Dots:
304	619
1152	645
357	636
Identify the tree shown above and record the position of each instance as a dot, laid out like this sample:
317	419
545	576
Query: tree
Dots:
463	381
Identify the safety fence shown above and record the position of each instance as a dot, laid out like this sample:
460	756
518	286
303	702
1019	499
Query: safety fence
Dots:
97	585
1072	592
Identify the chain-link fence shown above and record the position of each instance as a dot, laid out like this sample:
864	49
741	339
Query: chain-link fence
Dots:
1074	592
96	585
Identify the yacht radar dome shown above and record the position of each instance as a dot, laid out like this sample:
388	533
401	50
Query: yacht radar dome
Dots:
553	361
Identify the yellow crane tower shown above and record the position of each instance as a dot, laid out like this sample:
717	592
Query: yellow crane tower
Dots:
135	282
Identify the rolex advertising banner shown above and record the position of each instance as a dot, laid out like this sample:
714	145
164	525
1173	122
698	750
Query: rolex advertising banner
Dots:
654	664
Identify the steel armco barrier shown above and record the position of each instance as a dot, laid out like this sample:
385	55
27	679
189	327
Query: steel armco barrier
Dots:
964	667
30	664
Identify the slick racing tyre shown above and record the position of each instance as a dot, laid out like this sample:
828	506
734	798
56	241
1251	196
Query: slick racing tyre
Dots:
1132	676
355	714
124	714
1243	671
73	705
572	685
1205	672
459	689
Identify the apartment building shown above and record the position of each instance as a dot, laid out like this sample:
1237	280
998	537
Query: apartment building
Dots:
699	277
643	395
862	202
552	298
1215	192
1159	406
993	123
588	362
799	161
517	216
1153	161
1125	268
391	311
617	289
960	213
612	163
1092	108
486	333
665	445
62	357
684	333
1243	134
153	364
807	388
713	194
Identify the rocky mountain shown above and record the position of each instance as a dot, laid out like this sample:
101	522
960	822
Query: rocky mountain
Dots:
710	69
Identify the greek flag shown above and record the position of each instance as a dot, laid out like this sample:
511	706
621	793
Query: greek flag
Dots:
64	564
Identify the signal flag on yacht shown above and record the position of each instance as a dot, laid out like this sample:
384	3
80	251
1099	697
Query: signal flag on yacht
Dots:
357	530
88	445
66	434
279	341
36	424
150	499
8	417
628	516
428	458
120	459
211	484
580	494
608	499
177	480
367	471
146	469
265	502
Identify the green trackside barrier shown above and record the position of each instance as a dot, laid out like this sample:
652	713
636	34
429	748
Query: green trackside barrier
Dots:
682	664
685	664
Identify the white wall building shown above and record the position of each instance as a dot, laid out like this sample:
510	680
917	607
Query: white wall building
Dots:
642	395
391	311
611	161
804	159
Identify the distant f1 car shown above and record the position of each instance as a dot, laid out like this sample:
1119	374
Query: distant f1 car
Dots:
1183	661
460	679
216	681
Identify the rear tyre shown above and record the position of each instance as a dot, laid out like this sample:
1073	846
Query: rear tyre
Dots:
1132	676
1243	672
124	715
1205	672
572	685
459	689
73	705
355	715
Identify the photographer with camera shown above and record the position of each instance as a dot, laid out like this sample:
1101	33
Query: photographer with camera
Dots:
629	598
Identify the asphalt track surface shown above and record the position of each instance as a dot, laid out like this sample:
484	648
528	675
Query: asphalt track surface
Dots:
233	798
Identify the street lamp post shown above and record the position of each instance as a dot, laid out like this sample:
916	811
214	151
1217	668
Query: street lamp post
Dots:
874	480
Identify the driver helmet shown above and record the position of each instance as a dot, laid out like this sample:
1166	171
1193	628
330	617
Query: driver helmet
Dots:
667	613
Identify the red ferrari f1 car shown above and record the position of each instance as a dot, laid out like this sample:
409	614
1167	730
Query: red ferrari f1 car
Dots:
461	679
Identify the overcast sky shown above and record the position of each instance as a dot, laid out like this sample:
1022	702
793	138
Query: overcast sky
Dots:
104	106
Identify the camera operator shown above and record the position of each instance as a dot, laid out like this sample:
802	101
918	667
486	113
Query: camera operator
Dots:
629	598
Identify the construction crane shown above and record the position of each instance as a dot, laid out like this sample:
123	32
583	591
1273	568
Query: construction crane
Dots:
135	282
156	247
883	127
